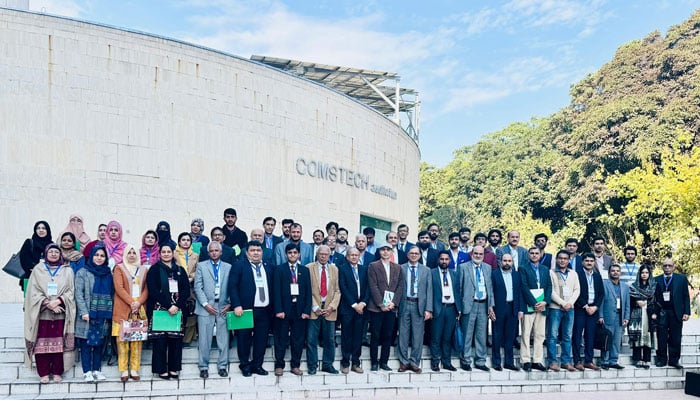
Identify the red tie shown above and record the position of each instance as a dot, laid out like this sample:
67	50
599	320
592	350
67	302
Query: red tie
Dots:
324	284
392	257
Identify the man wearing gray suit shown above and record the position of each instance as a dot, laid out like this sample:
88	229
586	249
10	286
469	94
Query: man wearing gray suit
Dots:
603	261
477	306
306	250
210	289
519	253
415	308
615	315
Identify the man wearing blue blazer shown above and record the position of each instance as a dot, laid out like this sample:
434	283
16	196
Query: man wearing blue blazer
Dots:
519	253
615	314
291	304
250	287
509	309
353	300
211	291
305	249
576	260
477	308
457	256
447	306
361	245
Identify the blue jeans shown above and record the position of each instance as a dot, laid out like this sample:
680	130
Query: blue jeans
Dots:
91	356
328	327
558	317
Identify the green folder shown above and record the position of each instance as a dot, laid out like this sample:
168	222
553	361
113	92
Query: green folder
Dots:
245	321
197	247
538	294
164	322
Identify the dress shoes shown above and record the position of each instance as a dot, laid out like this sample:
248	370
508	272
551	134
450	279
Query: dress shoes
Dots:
375	367
279	371
415	369
260	371
385	367
435	368
511	367
223	373
568	367
296	371
466	367
330	370
357	369
579	366
616	366
527	367
539	367
591	365
403	368
312	371
605	366
482	367
554	367
345	370
660	364
449	367
675	365
204	374
246	372
498	368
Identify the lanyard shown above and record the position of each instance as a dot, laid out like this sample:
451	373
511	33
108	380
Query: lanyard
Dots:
187	259
148	255
565	276
537	273
629	270
354	272
215	268
115	248
133	277
52	273
667	283
589	278
257	271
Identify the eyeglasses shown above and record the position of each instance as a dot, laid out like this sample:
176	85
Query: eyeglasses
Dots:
667	265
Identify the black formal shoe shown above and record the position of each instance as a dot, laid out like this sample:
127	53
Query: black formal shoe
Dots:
539	367
527	367
223	373
483	368
435	368
616	366
605	366
465	367
246	373
164	376
511	367
174	376
312	371
498	368
385	367
449	367
260	371
675	365
660	364
330	370
204	374
375	367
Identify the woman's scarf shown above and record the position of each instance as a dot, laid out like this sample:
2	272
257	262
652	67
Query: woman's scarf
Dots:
133	270
39	243
164	236
72	254
60	260
149	254
639	292
198	236
75	226
101	301
115	248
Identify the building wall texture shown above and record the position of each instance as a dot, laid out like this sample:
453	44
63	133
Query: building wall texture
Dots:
114	124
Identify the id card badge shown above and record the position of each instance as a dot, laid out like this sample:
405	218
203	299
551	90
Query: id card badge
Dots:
482	288
147	265
217	291
135	290
294	288
566	292
259	282
617	303
604	273
111	263
172	285
667	296
52	289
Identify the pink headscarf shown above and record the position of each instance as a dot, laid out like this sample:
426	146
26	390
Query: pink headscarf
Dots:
115	248
149	254
76	228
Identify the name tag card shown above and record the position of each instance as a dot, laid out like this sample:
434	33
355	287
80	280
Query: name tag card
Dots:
52	289
172	285
566	292
217	291
135	290
617	305
259	282
667	296
294	289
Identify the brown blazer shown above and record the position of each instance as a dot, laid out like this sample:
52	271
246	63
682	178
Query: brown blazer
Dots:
378	283
333	296
122	293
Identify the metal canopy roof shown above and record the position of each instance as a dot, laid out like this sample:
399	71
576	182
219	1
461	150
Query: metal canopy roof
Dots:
354	82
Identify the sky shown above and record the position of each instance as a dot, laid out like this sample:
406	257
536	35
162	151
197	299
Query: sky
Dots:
478	65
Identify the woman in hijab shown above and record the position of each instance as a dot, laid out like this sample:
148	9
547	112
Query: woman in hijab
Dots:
114	244
69	253
94	289
75	226
641	327
186	257
163	230
130	296
49	317
168	289
150	250
199	240
32	250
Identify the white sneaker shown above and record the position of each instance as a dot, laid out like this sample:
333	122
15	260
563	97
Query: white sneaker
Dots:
88	377
99	376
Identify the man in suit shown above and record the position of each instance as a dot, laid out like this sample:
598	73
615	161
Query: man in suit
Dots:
603	260
565	291
519	253
318	237
305	249
457	255
386	284
342	241
228	255
428	254
534	281
354	291
249	287
403	244
361	245
508	309
325	299
489	256
336	258
547	260
615	315
435	243
211	291
571	245
674	299
270	240
586	312
258	235
447	306
477	308
397	255
235	237
416	308
291	304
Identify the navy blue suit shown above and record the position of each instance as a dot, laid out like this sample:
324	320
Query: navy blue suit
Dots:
367	259
670	328
242	292
462	257
431	258
583	322
351	322
506	324
444	318
292	326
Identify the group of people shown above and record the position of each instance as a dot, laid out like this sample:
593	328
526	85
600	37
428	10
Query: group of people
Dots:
84	293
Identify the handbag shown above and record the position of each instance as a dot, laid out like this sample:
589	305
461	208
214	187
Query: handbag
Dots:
602	338
164	322
14	266
458	339
133	330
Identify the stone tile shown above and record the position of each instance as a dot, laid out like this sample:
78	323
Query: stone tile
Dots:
496	389
24	388
532	388
623	386
569	388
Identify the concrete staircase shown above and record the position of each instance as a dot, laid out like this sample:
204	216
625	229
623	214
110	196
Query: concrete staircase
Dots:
18	382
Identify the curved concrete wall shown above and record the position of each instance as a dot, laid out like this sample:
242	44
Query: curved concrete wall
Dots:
120	125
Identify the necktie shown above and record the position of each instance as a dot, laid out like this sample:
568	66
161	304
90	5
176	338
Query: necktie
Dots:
393	259
478	280
261	290
402	247
357	280
294	275
324	284
413	281
445	282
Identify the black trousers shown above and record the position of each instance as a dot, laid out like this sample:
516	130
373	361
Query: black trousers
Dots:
351	338
257	338
382	330
291	330
167	354
504	329
670	331
641	353
441	340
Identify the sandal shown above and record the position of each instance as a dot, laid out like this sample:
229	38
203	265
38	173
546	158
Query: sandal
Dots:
135	377
124	377
57	379
44	379
174	375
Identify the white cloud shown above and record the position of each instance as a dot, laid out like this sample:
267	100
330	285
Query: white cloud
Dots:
66	8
